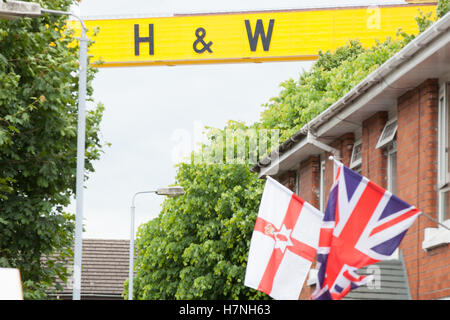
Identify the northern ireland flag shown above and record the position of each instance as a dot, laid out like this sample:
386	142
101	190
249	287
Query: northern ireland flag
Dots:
283	244
363	224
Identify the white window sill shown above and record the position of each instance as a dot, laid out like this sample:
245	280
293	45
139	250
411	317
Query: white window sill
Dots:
435	237
312	277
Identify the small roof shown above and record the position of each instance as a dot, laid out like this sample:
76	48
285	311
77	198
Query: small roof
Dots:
105	266
390	282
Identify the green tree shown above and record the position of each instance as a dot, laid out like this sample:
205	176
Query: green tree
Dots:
38	133
197	247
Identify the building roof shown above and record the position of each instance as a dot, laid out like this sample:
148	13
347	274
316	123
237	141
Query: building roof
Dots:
425	57
105	266
390	282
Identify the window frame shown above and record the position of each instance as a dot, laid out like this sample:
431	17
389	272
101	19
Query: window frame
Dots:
442	138
297	182
356	162
383	140
443	178
322	185
391	150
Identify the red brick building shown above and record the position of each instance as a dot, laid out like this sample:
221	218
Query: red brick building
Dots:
393	128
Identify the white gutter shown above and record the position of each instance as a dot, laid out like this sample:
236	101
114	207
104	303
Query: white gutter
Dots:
273	167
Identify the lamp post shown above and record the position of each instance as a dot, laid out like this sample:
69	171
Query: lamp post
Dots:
170	192
20	9
81	133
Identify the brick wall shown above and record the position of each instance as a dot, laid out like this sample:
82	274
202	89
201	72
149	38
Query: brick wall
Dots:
344	145
309	171
288	180
428	272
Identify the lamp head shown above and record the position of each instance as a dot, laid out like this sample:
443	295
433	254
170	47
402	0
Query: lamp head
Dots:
170	191
19	9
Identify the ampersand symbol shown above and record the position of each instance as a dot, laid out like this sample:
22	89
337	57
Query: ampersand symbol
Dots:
200	34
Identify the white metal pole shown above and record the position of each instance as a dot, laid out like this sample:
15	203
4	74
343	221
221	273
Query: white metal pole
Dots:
81	132
76	294
131	265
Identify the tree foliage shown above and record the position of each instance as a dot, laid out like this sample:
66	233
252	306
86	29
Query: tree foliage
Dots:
197	247
38	133
442	8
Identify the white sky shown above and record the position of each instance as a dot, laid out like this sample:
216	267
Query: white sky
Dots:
145	107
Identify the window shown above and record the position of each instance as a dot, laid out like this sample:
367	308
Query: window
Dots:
443	154
387	141
392	177
297	183
322	186
444	204
392	167
355	161
435	237
388	134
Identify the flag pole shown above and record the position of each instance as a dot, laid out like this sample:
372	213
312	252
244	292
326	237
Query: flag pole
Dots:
337	163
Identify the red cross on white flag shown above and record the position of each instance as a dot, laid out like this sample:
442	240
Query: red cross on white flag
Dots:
284	243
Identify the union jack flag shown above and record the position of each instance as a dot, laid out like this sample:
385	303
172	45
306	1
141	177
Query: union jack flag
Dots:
363	224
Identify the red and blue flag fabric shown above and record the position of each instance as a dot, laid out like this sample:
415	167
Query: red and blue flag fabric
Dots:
363	224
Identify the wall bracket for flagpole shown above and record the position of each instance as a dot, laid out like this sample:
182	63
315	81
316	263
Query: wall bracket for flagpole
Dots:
313	140
435	220
335	153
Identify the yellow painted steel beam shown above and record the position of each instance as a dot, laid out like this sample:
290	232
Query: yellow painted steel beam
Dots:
244	37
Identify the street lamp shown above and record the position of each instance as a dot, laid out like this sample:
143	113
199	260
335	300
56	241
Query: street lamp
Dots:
20	9
170	192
